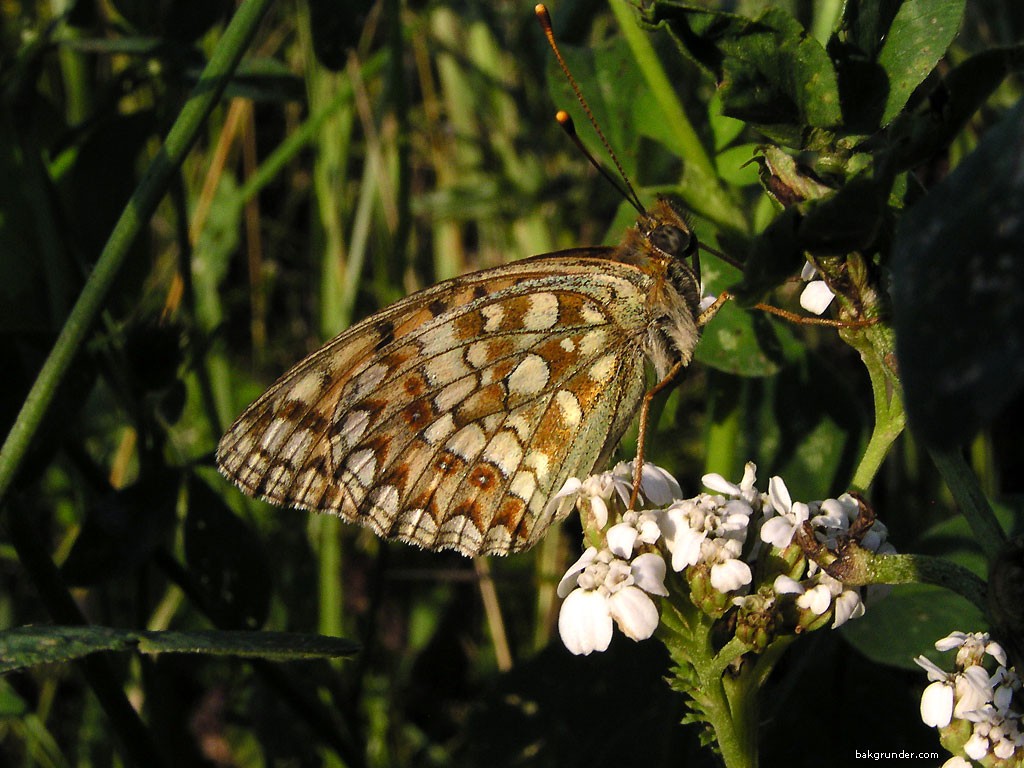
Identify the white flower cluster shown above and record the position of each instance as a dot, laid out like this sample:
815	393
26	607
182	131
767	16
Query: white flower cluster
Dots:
972	694
717	531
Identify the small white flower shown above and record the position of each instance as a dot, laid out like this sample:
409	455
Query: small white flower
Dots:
692	527
780	529
730	574
849	605
745	490
657	485
642	526
584	622
594	493
937	699
601	589
817	599
971	647
816	295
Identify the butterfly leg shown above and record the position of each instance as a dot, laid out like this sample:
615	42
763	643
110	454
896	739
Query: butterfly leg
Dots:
641	440
705	317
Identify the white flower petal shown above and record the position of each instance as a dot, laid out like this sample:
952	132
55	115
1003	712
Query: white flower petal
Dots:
995	650
937	705
730	575
816	296
951	641
658	486
935	672
686	547
584	623
568	581
784	585
976	747
817	599
600	511
649	573
719	484
620	538
778	493
808	272
634	612
848	606
778	531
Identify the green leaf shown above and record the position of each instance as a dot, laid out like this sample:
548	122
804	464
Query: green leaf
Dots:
909	621
958	271
770	72
918	137
24	647
918	37
737	340
885	50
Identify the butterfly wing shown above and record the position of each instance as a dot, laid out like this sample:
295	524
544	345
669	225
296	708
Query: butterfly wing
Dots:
449	419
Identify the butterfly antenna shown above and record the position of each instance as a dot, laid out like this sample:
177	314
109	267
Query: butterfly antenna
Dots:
565	121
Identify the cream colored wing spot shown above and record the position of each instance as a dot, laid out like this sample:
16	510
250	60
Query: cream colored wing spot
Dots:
529	377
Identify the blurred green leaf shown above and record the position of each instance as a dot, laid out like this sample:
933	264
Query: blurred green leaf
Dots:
958	272
24	647
618	98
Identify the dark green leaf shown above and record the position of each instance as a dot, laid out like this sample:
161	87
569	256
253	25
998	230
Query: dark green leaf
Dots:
885	50
845	221
25	647
774	256
182	19
336	26
770	72
918	37
747	343
918	137
958	269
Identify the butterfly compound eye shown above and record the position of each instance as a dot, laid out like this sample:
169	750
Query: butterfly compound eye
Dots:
671	240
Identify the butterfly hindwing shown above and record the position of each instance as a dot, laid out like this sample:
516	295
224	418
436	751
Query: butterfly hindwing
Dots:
449	419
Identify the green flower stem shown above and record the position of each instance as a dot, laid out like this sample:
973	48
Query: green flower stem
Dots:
136	214
966	489
726	703
917	569
876	345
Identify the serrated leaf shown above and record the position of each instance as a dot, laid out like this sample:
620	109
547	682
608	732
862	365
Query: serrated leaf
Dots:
958	298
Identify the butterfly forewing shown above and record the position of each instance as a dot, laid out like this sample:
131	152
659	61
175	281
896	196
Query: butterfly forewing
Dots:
451	418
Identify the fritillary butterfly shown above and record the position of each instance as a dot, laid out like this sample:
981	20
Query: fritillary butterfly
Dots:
451	418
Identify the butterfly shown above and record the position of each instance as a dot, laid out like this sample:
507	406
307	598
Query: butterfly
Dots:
451	418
